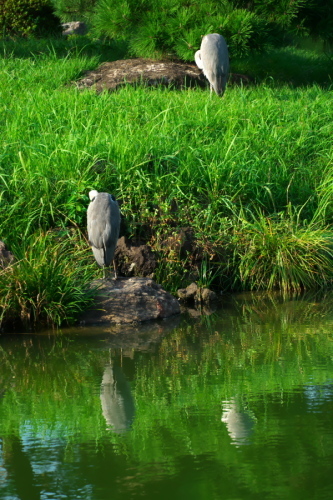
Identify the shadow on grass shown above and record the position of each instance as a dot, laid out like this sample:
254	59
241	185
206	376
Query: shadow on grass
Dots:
73	46
288	65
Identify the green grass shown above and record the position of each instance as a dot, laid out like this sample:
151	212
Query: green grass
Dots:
46	285
289	65
265	149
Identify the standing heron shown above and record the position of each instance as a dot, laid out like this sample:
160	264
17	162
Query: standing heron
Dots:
213	59
103	221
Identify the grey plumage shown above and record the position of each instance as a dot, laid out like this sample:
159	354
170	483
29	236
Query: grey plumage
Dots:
116	398
213	59
103	222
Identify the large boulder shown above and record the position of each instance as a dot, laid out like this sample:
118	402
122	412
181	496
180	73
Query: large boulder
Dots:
129	300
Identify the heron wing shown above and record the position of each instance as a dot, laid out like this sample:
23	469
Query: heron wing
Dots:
103	223
215	58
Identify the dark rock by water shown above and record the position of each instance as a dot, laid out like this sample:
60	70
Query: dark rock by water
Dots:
195	294
129	300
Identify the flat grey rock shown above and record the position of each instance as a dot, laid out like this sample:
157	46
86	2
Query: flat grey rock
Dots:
130	300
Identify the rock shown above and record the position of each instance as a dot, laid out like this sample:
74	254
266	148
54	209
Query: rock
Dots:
134	259
130	300
189	293
195	294
6	256
112	75
74	28
208	295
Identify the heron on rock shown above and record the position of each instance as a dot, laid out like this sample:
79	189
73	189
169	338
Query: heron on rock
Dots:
103	223
213	59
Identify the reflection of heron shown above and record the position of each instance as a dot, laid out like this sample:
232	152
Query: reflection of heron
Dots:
103	221
239	422
116	399
213	59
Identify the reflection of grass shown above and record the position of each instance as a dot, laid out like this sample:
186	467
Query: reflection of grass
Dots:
256	352
54	384
254	338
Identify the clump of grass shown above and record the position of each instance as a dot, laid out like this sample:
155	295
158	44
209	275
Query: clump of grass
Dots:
280	252
48	283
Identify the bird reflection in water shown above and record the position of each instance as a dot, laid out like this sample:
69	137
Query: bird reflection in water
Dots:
116	399
239	421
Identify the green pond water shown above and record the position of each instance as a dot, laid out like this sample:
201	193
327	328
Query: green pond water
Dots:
233	405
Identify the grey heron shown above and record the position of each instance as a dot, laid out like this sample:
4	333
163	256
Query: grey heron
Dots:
103	223
213	59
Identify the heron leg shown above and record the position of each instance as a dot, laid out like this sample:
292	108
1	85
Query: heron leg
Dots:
115	269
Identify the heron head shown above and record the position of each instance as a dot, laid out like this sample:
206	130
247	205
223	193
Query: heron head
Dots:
198	60
93	194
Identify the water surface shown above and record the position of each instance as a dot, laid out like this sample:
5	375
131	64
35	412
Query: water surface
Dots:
235	405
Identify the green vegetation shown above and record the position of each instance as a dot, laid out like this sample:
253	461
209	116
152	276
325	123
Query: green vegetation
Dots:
46	284
250	173
169	28
74	10
26	18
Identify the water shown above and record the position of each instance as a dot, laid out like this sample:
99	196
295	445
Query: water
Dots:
235	405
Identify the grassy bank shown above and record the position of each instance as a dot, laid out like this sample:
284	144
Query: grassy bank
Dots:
250	173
